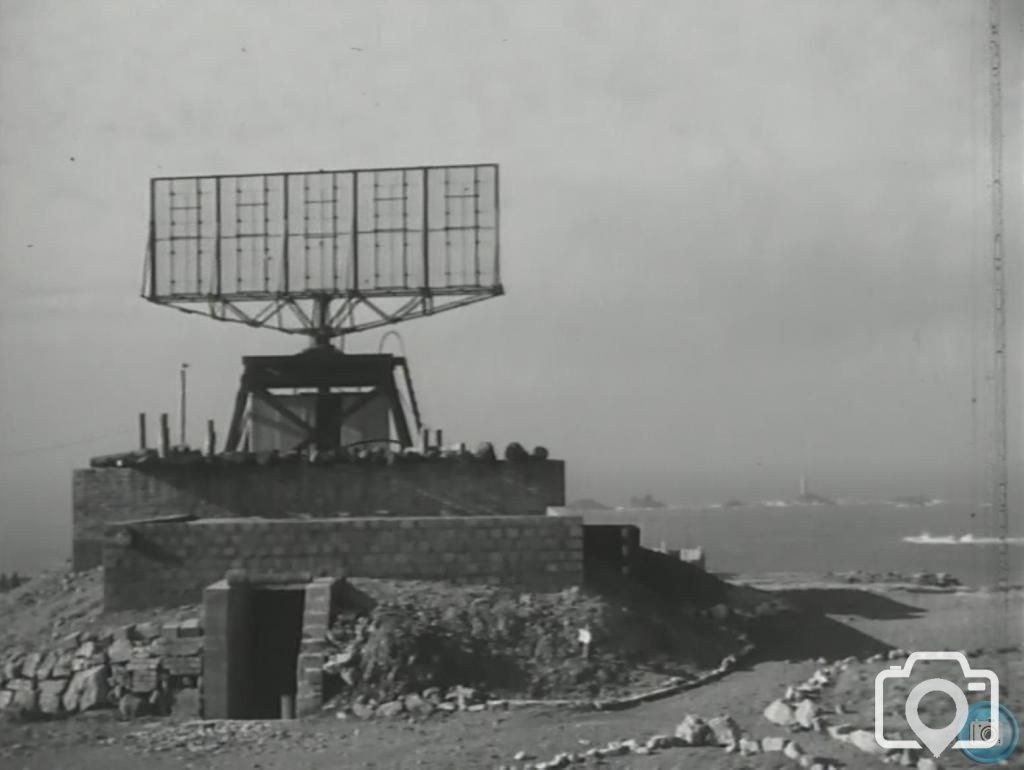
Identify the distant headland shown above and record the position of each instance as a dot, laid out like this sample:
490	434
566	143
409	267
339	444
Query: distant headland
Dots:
647	501
587	504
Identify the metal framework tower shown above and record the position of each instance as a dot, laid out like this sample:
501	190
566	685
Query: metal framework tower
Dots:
325	254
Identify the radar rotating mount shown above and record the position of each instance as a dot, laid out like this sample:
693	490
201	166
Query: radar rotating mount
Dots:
324	254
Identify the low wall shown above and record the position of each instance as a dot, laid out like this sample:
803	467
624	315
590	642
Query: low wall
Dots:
149	563
610	546
102	496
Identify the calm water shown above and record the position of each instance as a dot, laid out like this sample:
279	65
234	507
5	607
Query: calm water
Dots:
761	539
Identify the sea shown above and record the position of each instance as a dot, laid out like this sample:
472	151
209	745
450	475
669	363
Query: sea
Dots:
775	537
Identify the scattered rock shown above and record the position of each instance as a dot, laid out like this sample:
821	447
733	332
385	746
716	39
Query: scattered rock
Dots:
749	745
617	749
390	709
415	704
522	756
793	750
805	713
865	741
366	710
840	732
725	730
773	743
927	763
693	731
657	742
821	677
780	713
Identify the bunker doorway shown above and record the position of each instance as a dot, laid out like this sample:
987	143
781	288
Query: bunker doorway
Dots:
274	639
251	648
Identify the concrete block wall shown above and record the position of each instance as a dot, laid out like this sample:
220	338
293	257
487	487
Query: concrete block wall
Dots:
150	564
102	496
316	619
224	684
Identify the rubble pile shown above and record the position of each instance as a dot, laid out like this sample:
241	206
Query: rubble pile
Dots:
140	669
497	641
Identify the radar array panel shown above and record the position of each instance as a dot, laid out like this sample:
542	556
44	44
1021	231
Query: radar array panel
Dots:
382	245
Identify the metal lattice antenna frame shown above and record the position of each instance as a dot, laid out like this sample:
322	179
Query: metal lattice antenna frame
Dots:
325	253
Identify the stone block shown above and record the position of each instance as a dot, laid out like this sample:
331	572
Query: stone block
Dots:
50	696
191	666
185	704
143	681
184	647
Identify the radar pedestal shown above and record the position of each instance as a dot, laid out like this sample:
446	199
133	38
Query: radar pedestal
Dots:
324	254
329	392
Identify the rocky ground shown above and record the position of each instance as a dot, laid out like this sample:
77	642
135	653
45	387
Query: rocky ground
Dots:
818	660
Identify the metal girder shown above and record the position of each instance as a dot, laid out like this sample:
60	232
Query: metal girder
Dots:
341	321
329	374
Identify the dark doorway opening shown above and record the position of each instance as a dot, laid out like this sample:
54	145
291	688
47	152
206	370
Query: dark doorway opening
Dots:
274	640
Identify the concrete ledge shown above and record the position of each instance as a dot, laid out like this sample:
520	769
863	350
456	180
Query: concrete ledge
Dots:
101	496
169	564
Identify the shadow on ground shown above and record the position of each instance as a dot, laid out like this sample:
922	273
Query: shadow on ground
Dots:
792	624
805	635
849	601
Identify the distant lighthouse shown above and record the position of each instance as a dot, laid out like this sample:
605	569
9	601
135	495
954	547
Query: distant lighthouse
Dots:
803	485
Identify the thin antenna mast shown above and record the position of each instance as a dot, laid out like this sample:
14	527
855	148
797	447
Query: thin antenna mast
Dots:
1000	501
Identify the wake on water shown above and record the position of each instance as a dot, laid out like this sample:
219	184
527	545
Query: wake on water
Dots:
927	539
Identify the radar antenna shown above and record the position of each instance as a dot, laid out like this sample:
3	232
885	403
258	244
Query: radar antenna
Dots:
324	254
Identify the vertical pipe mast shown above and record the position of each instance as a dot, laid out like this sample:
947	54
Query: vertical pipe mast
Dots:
1000	501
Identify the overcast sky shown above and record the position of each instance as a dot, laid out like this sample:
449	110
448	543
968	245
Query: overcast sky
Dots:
739	238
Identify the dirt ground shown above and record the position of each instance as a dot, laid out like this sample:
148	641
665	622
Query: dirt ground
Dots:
838	621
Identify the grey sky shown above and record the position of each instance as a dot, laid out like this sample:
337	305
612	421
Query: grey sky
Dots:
738	238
